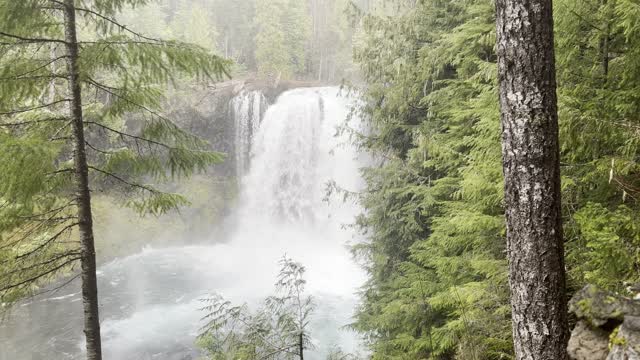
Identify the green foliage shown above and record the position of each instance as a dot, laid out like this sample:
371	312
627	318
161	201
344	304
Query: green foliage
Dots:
598	87
293	39
437	284
193	22
278	330
282	31
131	147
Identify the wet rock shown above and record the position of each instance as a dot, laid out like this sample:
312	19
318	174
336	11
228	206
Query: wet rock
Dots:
625	340
608	326
588	342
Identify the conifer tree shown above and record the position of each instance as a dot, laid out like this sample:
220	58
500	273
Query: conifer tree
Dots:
434	219
531	163
80	115
278	330
283	30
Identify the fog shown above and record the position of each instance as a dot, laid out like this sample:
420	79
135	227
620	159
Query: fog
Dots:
280	191
150	301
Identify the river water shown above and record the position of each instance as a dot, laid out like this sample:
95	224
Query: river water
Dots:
150	301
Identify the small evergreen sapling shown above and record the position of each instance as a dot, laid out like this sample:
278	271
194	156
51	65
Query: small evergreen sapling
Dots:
277	330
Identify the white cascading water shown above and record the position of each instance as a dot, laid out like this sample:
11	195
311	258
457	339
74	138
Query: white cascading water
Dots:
246	109
150	301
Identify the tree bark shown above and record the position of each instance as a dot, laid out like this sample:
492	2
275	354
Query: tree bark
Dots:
526	68
301	345
83	196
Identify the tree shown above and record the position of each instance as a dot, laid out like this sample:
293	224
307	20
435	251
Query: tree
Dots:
278	330
531	165
434	221
283	29
48	132
193	22
434	204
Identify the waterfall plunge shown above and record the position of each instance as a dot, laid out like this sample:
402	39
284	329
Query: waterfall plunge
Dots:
295	154
150	301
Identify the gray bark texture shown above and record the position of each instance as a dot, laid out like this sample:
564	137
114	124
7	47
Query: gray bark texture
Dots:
531	166
83	196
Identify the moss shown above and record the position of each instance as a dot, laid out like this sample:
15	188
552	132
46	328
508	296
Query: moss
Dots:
584	307
615	339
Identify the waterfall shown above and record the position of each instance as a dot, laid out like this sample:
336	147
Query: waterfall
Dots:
284	207
246	110
150	302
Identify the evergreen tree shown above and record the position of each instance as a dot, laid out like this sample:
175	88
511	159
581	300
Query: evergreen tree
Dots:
193	22
433	216
531	163
63	129
435	254
283	29
279	330
271	47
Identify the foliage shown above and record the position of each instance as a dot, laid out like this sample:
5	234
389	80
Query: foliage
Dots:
278	330
131	146
433	215
294	39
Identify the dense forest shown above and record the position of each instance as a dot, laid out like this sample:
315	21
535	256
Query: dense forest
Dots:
276	38
498	214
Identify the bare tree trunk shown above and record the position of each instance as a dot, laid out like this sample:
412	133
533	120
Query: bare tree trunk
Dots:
83	196
301	344
532	178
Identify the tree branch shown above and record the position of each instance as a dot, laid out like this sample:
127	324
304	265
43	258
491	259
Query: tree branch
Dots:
46	243
22	123
135	185
277	351
98	150
40	67
123	134
37	277
31	40
117	24
41	264
33	108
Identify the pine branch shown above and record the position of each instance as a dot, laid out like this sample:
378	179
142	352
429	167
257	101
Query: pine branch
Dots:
54	290
135	185
105	152
132	42
31	40
36	77
33	108
39	225
114	22
38	68
41	264
22	123
280	350
140	106
48	242
37	277
123	134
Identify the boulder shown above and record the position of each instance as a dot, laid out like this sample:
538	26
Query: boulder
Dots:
608	326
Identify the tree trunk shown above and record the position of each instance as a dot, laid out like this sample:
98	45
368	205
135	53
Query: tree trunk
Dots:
301	345
83	196
531	166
